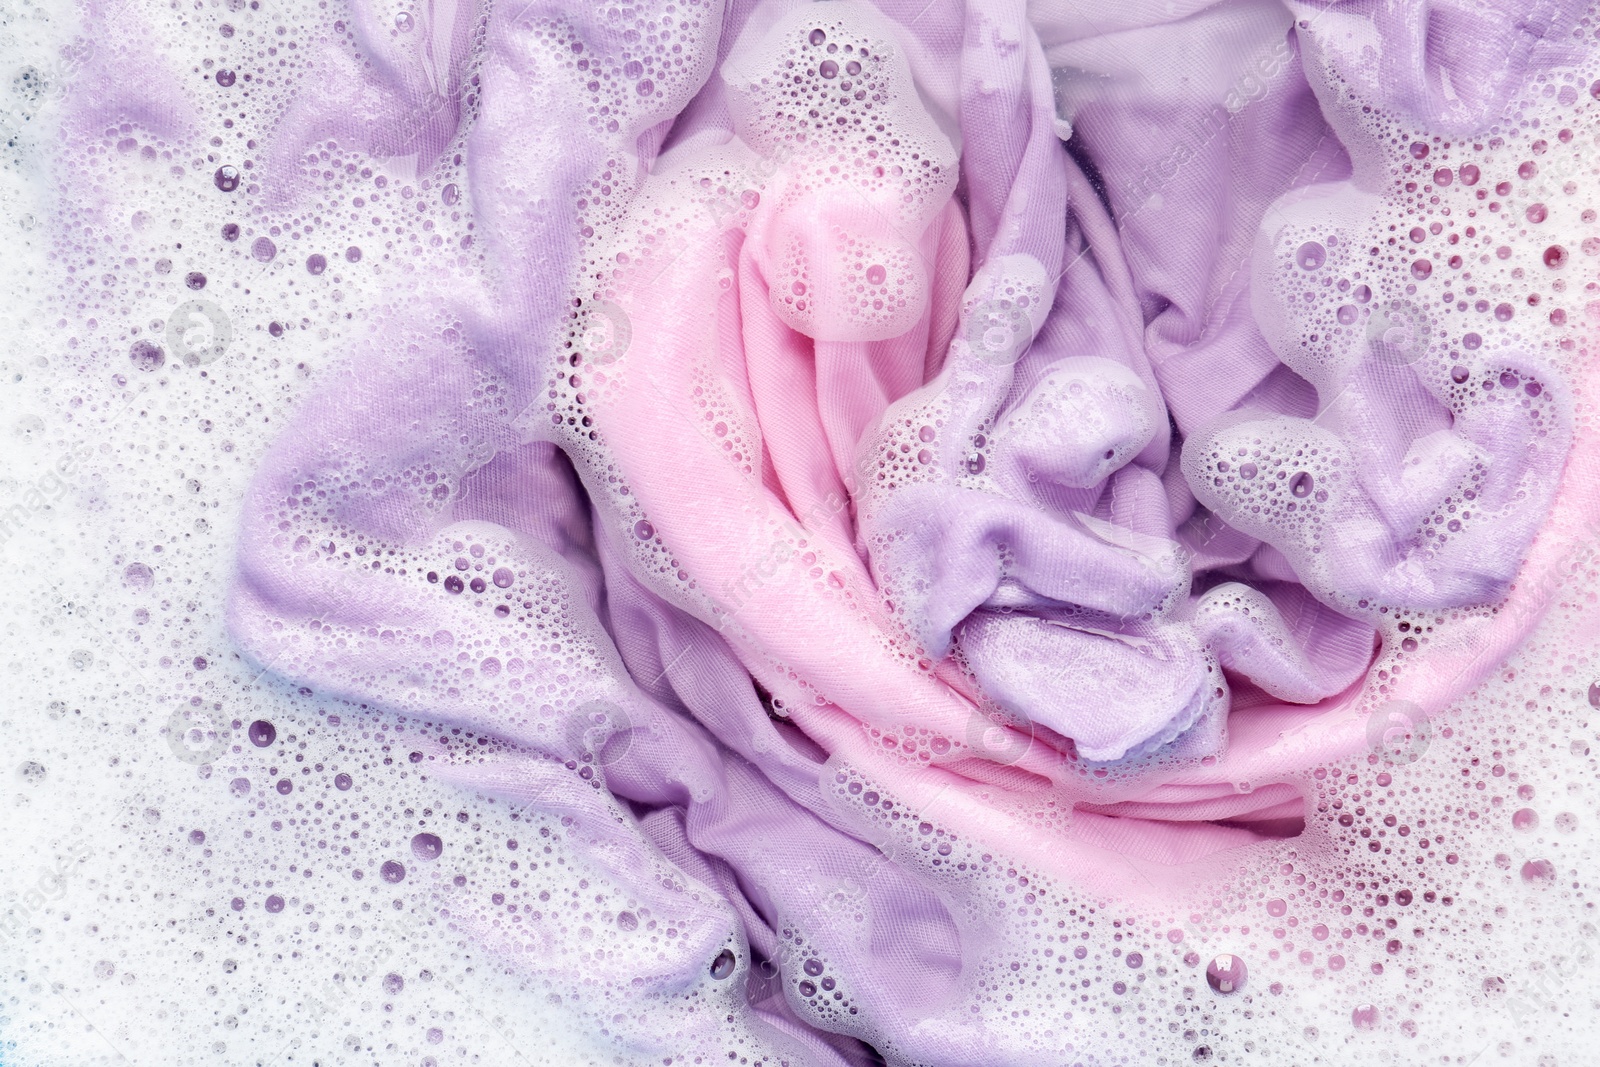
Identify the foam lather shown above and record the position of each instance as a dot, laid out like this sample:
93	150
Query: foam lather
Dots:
927	533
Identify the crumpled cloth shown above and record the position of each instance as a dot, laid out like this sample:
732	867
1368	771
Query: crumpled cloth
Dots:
902	434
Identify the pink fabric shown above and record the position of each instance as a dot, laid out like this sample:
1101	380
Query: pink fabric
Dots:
823	447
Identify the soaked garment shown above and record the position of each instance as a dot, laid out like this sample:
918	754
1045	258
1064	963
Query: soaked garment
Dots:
825	422
896	480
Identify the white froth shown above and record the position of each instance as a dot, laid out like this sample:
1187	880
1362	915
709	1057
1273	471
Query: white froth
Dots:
121	499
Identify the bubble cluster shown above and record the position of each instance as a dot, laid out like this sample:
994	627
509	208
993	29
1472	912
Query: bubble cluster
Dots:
226	857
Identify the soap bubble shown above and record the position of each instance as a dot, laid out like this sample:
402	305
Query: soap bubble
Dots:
147	356
1311	255
1226	973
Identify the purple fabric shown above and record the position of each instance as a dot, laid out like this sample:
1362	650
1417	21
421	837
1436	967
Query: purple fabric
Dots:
990	539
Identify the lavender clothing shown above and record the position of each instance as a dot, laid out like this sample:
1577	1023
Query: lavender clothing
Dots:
1099	308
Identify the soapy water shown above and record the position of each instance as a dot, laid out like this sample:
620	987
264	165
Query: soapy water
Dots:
421	689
